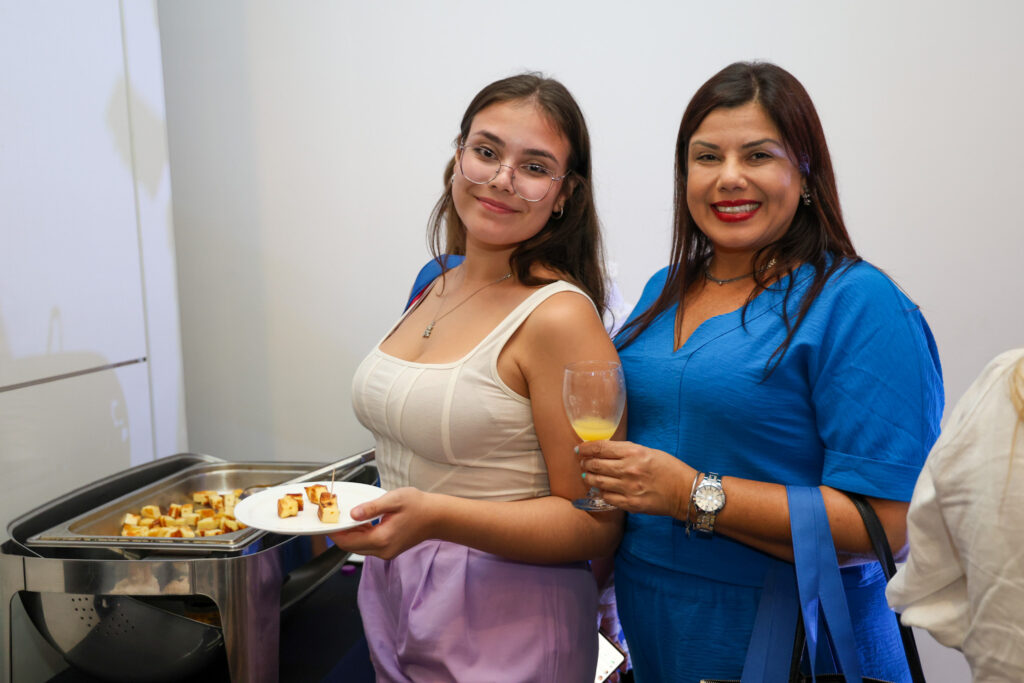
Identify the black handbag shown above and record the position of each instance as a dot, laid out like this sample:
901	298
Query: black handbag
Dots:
884	554
810	591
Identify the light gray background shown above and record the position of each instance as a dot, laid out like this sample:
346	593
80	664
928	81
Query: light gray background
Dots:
307	143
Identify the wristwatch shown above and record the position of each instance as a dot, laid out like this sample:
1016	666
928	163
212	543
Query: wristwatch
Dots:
708	500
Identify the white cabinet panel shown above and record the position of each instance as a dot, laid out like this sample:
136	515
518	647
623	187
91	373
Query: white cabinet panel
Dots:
156	231
70	282
57	436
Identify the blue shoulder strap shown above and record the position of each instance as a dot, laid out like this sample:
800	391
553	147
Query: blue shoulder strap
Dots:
822	596
429	272
769	658
818	590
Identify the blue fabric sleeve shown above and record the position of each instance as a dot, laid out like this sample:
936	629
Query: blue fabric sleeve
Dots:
430	271
877	386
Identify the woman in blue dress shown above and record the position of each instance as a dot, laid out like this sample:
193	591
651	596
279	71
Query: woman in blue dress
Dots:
768	353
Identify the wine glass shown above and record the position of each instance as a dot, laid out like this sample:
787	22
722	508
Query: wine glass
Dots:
594	394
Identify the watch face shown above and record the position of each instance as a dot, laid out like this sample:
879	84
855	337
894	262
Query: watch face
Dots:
709	499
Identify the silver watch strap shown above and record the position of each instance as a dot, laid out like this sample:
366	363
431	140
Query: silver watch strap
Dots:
704	524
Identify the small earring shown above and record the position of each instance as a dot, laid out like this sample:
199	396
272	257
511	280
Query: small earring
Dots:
806	196
561	212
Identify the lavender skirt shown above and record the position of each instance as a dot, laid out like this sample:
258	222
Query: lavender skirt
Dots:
444	612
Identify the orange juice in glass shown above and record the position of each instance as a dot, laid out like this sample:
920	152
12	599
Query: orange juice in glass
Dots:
594	395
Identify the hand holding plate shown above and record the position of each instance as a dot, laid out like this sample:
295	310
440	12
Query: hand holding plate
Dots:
406	518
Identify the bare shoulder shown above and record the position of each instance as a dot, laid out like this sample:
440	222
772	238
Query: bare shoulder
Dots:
563	328
563	312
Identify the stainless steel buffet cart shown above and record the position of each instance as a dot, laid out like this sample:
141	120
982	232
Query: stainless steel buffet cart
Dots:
158	609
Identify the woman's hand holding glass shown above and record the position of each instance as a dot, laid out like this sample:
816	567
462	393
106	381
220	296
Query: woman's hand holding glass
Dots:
635	478
594	394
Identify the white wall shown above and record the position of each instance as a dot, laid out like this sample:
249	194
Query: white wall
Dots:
90	359
147	128
90	351
307	143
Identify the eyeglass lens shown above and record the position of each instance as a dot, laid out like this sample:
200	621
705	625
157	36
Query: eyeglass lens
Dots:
531	181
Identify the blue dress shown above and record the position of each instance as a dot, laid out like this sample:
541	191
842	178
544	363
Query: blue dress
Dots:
854	404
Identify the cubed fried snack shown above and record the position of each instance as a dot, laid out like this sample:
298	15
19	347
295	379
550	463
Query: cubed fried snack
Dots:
216	500
238	493
187	509
205	513
328	508
132	530
147	522
298	499
174	510
190	519
202	497
286	507
206	524
228	525
151	511
230	500
130	519
314	492
167	520
328	514
210	532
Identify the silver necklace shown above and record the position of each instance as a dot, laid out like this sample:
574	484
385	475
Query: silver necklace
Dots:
727	280
430	327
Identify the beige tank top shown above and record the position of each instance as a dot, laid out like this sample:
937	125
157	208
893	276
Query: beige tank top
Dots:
455	428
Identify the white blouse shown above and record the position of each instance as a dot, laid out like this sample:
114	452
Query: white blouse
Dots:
964	579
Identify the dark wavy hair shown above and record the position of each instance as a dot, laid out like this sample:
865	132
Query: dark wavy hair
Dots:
817	236
570	245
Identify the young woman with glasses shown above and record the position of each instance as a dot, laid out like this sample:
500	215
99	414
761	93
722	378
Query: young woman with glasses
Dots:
477	568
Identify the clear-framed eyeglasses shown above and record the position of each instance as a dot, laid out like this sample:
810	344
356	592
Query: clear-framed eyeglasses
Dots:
530	181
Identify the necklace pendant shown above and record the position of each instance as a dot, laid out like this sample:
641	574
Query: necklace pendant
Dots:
430	328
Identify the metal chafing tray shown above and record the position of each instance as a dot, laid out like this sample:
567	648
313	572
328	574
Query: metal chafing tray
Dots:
102	525
87	595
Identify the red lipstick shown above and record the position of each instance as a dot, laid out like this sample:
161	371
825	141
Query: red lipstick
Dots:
735	210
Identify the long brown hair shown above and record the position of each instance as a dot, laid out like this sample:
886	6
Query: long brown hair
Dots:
571	244
817	235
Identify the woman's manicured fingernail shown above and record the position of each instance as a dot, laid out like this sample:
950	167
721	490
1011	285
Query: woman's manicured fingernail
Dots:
576	450
584	475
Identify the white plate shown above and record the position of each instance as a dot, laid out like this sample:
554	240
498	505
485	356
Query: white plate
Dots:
260	509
